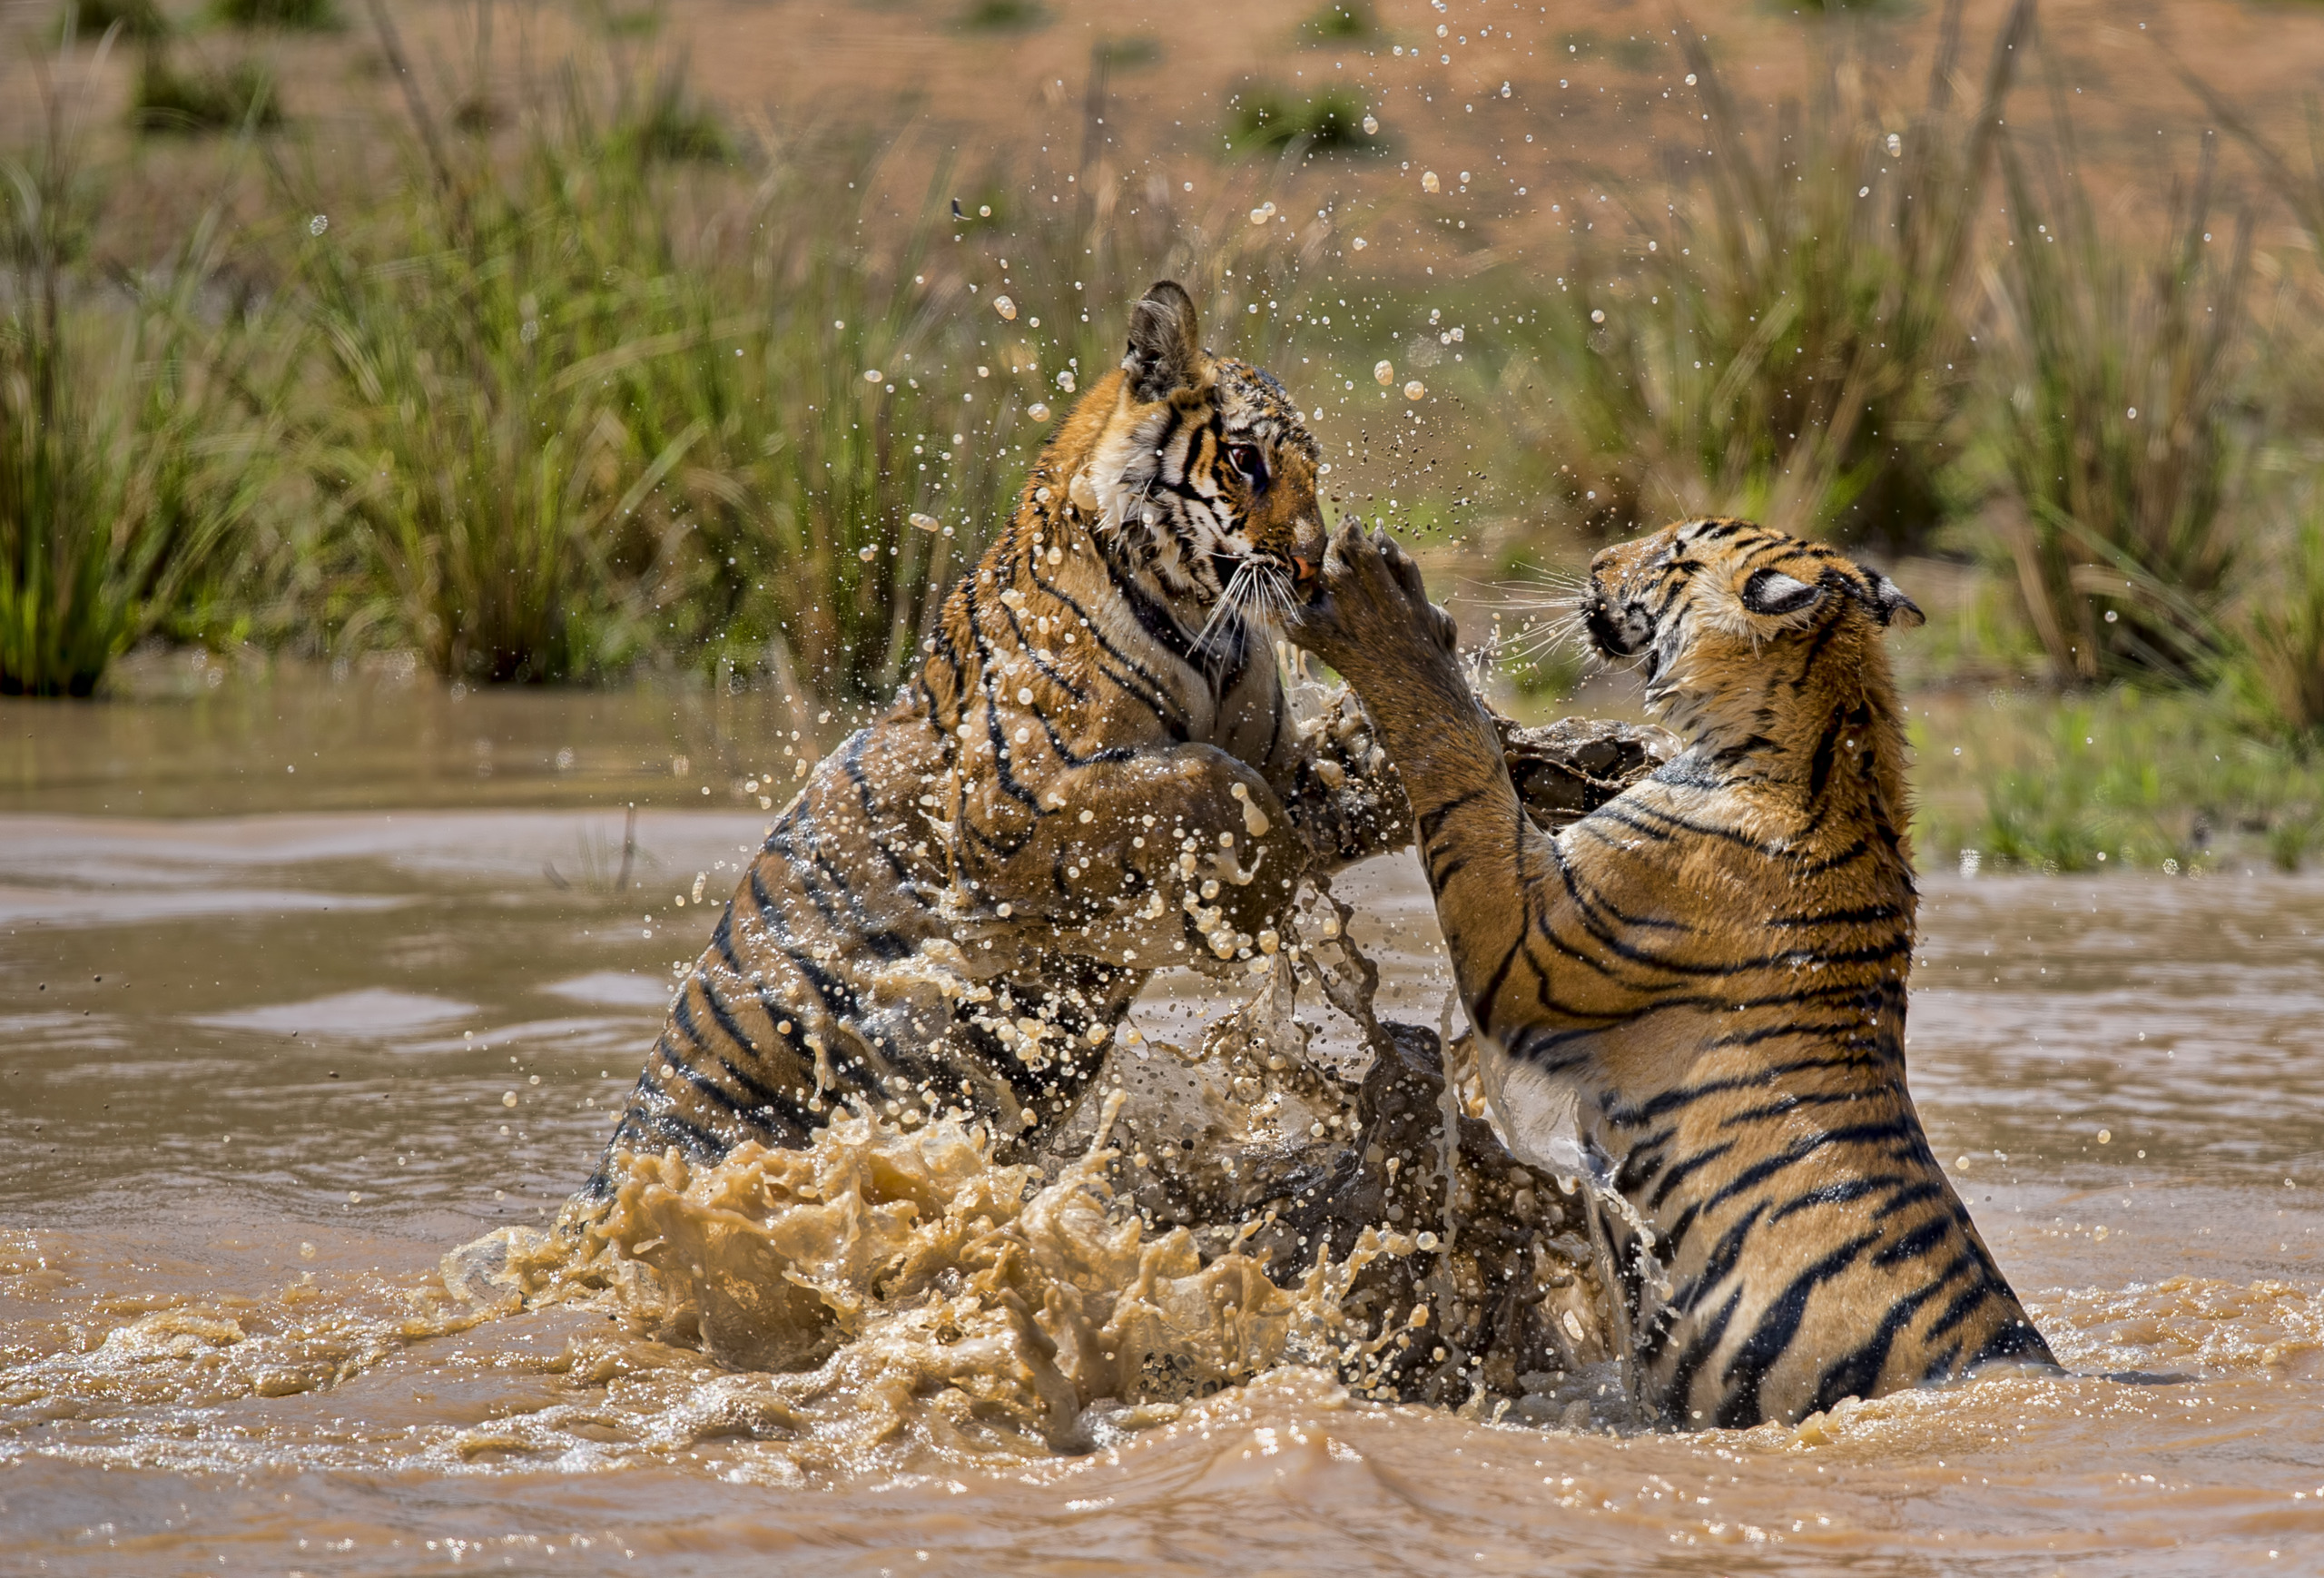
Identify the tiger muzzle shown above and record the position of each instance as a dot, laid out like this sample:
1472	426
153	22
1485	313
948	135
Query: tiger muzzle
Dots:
1613	636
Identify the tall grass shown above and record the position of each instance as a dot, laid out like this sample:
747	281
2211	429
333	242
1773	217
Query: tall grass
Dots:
588	409
2114	422
1780	339
2279	672
484	334
2276	669
2126	776
126	460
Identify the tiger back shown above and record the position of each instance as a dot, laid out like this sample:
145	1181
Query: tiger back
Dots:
1095	774
1696	999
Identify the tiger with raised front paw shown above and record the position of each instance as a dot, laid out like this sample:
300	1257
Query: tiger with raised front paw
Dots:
1694	996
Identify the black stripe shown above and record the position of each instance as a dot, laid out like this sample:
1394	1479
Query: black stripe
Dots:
851	763
1856	1374
1760	1172
1667	1102
1143	687
1706	1341
1687	1169
1772	1336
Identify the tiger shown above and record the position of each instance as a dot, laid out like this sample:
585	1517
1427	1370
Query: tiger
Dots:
1096	772
1693	998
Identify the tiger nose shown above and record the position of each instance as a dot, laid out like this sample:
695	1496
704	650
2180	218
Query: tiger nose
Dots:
1307	545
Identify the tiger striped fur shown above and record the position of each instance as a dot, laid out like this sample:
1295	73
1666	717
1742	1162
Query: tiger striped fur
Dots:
1095	774
1695	995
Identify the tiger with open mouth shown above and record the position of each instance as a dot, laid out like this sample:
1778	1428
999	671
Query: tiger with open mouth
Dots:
1095	773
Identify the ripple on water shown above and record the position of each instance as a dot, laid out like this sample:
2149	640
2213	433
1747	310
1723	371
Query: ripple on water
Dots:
178	1379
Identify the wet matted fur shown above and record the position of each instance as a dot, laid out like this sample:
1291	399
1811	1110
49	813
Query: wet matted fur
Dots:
1095	774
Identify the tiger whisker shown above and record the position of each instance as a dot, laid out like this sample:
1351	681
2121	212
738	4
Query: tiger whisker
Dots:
1226	608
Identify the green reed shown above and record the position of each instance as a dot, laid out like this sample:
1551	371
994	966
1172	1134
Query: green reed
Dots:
2276	669
2114	420
2120	777
1781	339
128	459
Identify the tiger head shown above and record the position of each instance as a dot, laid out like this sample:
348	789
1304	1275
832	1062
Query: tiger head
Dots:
1197	472
1706	605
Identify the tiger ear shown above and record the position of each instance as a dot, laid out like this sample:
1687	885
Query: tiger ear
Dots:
1773	593
1165	342
1895	608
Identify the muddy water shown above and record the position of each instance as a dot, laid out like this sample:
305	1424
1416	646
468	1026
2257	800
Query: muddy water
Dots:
257	1067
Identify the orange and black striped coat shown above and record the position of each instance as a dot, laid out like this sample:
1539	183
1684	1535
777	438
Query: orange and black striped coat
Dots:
1095	773
1695	996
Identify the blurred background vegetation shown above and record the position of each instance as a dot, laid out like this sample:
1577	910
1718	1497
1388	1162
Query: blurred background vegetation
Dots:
506	346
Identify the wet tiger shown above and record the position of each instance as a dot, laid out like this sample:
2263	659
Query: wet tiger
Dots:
1695	995
1095	774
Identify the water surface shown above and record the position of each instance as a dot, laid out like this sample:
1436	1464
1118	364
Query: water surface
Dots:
264	1057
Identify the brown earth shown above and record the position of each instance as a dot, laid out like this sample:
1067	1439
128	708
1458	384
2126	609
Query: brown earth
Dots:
1594	88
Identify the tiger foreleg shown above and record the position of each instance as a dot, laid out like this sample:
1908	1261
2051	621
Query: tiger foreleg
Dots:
1496	877
1153	859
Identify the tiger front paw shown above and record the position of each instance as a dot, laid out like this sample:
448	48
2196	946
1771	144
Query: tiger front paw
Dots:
1371	612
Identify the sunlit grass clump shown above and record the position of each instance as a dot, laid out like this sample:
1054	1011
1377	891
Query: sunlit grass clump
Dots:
166	97
2124	778
1778	340
1330	120
86	21
128	459
307	15
1340	22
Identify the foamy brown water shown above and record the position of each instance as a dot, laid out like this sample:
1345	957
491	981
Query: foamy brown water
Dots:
235	1160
